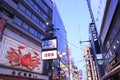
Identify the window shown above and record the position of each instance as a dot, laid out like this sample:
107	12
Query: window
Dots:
38	21
36	8
31	2
28	13
18	21
36	33
39	36
21	7
43	25
31	30
34	17
25	26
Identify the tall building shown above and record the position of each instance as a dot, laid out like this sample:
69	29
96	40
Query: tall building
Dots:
91	69
110	39
106	14
20	45
61	34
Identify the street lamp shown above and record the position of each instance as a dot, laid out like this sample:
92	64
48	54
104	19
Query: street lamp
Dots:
50	35
60	55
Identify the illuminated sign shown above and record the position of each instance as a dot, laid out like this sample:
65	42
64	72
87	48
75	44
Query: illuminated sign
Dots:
99	56
17	55
48	44
51	54
49	48
95	38
93	31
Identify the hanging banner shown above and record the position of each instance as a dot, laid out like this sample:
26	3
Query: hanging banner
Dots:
2	26
17	55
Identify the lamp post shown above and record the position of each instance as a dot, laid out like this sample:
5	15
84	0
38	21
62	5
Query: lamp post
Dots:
60	55
50	34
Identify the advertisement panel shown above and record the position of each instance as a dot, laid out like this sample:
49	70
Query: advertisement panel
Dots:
51	54
48	44
49	48
17	55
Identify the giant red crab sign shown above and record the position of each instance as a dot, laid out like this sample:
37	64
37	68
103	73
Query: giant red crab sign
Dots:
29	59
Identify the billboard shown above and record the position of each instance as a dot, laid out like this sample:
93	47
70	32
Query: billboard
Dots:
49	48
48	44
17	55
51	54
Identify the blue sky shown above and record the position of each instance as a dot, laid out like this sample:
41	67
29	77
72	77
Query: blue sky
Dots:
76	18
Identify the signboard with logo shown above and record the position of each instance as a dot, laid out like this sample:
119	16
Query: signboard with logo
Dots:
17	55
95	38
49	48
49	44
51	54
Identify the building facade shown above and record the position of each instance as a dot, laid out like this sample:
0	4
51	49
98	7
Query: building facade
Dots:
110	38
91	69
107	24
62	62
20	45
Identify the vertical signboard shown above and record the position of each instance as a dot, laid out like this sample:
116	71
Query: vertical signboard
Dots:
49	48
17	55
2	25
96	43
95	37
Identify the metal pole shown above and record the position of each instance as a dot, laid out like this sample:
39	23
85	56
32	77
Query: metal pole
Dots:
50	70
68	65
59	68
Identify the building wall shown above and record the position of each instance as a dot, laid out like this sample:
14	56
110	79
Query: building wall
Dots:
111	41
62	40
109	37
88	63
24	29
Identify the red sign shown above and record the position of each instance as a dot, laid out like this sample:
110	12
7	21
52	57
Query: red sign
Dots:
52	54
18	55
2	25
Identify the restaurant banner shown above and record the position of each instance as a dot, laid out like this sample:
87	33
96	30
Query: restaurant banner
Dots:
17	55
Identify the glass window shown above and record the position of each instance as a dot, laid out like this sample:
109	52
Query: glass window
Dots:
34	17
31	30
39	36
38	21
18	21
44	16
22	7
39	11
28	13
36	8
36	33
43	25
31	2
42	37
25	26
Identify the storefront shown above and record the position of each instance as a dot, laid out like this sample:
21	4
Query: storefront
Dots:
18	60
